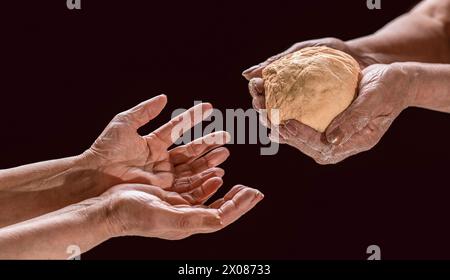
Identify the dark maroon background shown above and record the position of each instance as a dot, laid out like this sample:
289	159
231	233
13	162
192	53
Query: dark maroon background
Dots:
66	73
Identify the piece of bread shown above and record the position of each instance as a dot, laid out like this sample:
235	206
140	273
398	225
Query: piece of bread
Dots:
312	85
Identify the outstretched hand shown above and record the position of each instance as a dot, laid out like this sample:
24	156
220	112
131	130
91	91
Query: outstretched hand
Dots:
150	211
121	153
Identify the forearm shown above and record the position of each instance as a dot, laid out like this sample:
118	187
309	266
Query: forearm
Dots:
32	190
431	84
40	176
47	237
422	35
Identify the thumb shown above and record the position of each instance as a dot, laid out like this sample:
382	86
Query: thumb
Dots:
145	111
256	71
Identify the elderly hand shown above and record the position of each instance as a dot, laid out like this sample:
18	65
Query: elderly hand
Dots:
254	74
384	92
150	211
127	209
119	155
163	197
120	152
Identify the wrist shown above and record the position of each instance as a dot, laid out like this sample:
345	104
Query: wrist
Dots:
411	73
431	89
96	215
95	168
89	160
365	50
113	215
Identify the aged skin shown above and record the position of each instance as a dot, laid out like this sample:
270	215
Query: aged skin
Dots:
125	184
404	64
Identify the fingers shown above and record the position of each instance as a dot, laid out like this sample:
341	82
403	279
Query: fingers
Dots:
211	159
235	204
202	193
183	221
171	131
170	197
198	147
306	139
230	194
144	112
256	89
256	71
293	129
239	202
349	122
264	120
363	140
324	153
188	183
370	103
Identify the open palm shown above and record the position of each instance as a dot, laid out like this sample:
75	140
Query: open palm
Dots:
126	156
150	211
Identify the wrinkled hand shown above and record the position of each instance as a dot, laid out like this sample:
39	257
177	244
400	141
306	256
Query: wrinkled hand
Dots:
384	92
150	211
254	74
121	153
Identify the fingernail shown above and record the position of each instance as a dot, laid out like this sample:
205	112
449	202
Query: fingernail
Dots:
335	136
227	137
207	113
219	172
249	70
258	196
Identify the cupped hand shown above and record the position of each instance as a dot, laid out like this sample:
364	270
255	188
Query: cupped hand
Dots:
124	155
254	74
384	92
149	211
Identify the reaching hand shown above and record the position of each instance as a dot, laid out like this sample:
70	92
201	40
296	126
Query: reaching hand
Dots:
120	152
150	211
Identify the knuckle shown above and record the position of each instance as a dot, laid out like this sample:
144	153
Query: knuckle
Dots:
115	126
122	117
332	41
